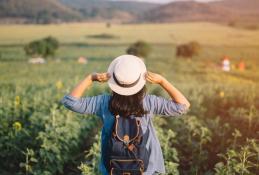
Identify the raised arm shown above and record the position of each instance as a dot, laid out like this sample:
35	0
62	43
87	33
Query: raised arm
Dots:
86	105
174	93
87	82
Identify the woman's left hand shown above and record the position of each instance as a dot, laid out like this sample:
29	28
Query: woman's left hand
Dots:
100	77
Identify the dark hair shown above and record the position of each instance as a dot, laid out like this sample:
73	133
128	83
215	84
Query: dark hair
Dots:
128	105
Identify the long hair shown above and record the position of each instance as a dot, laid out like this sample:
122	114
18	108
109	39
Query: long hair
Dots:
128	105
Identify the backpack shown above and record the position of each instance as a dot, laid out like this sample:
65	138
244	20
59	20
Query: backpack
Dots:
127	153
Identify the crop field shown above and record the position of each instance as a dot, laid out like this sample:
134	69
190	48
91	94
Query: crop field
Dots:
219	135
205	33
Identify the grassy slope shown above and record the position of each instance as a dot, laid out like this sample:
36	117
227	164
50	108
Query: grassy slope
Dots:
31	8
127	6
216	40
237	11
205	33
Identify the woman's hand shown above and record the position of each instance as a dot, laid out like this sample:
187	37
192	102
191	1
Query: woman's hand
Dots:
174	93
84	84
100	77
154	78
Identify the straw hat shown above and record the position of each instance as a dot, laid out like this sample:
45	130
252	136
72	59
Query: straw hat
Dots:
127	75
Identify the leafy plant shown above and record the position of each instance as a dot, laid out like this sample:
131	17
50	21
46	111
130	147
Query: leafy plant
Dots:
140	49
29	160
188	50
240	161
45	47
92	158
166	138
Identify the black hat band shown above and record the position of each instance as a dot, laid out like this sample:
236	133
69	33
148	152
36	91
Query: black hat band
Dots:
125	85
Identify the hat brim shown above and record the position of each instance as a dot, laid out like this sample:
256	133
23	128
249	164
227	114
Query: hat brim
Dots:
127	90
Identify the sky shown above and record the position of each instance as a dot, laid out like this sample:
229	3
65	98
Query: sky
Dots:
163	1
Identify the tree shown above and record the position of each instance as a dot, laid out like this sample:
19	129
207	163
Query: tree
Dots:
45	47
188	50
52	45
139	48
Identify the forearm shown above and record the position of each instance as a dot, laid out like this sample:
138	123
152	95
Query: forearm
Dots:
81	87
174	93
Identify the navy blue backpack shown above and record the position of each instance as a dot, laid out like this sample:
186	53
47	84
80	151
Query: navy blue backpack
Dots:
127	153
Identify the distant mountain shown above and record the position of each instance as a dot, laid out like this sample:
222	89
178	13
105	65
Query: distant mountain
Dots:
36	11
52	11
109	10
218	11
128	6
49	11
242	10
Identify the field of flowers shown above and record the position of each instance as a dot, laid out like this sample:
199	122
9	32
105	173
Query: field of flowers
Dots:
219	135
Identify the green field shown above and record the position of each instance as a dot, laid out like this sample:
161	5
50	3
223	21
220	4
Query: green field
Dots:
39	136
205	33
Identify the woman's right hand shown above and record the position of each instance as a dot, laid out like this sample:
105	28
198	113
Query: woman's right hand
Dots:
100	77
154	78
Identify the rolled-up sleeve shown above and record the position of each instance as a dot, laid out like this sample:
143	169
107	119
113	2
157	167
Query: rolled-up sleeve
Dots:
161	106
86	105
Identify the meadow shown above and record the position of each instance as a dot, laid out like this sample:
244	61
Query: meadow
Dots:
218	136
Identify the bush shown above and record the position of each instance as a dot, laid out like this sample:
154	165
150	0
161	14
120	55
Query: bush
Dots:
140	49
45	47
188	50
243	160
103	36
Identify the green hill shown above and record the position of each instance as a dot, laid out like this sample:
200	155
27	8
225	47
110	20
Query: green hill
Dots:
36	11
133	7
124	11
219	11
51	11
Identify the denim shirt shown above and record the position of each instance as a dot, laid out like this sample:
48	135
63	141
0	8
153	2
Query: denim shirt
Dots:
99	106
